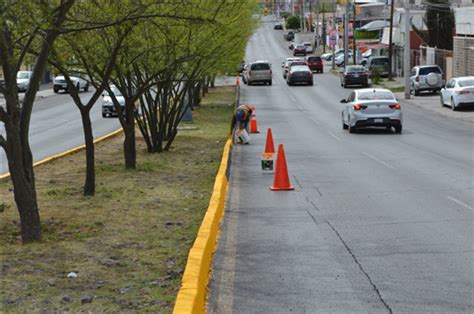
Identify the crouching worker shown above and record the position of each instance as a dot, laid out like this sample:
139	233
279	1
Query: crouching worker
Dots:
240	124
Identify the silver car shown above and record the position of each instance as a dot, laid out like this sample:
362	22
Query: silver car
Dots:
371	107
258	72
459	92
426	78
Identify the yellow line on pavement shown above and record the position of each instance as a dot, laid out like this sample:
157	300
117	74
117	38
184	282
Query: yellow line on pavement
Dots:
191	296
68	152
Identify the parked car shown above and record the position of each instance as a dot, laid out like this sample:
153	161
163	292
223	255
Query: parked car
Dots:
259	72
299	74
379	64
459	92
355	75
108	108
241	66
278	25
315	64
371	108
426	78
244	73
289	62
23	80
328	56
309	47
289	35
339	61
299	50
59	83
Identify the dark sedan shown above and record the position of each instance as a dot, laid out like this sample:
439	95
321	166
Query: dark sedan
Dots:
299	74
355	75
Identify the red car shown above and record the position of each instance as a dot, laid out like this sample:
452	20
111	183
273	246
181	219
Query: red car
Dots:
315	64
299	50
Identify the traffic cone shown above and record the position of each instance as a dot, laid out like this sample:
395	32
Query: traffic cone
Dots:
281	181
253	124
269	146
237	83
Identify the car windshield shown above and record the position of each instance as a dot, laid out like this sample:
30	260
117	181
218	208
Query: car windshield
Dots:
376	95
23	75
379	61
428	70
466	83
115	90
307	44
260	66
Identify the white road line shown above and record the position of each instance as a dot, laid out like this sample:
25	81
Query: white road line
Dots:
459	202
335	136
379	161
315	121
293	98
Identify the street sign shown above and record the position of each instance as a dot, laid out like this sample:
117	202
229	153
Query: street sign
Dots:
332	37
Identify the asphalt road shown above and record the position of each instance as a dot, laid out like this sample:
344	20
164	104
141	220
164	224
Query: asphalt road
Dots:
56	126
378	222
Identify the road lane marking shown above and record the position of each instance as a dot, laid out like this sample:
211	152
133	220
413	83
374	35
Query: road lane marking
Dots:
378	160
459	202
293	98
335	136
314	120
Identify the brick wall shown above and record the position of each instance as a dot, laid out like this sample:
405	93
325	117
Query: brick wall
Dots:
463	56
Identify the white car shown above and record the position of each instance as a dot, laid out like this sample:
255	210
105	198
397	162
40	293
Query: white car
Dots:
458	92
108	108
23	80
371	107
59	82
309	47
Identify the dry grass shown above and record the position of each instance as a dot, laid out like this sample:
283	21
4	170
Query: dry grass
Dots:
129	243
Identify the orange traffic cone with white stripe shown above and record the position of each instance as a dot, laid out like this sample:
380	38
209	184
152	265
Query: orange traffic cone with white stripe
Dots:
253	124
269	146
281	181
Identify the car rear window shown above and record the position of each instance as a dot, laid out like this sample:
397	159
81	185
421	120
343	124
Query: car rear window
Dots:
300	47
379	61
314	59
260	66
378	95
428	70
297	63
355	69
466	83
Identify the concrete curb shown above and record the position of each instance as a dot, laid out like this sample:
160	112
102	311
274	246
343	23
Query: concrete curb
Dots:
67	152
191	296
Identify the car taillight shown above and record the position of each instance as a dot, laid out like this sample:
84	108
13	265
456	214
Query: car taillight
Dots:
417	78
395	106
463	92
359	107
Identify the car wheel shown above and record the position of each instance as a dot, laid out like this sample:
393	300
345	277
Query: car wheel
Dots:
453	106
351	129
270	83
441	99
310	83
398	129
104	115
78	87
56	90
86	88
416	92
344	126
345	84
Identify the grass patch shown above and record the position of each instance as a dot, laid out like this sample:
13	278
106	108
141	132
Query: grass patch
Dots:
397	89
129	243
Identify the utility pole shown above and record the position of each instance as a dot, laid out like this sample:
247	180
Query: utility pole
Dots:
334	25
354	49
302	15
316	29
323	31
390	44
346	37
406	63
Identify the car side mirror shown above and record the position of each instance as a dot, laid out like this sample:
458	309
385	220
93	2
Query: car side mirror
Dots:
343	101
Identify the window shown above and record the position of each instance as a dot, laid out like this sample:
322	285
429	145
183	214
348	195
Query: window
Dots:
451	84
428	70
466	83
260	66
351	97
377	95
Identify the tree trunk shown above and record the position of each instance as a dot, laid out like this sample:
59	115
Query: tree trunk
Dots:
129	148
89	185
205	87
213	81
22	176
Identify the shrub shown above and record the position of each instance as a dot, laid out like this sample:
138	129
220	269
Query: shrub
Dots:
293	22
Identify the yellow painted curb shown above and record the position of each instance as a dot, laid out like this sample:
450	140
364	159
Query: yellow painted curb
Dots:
191	296
68	152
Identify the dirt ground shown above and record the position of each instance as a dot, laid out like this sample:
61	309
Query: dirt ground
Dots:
129	243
